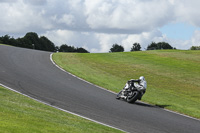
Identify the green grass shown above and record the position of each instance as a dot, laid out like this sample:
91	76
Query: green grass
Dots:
172	75
19	114
4	44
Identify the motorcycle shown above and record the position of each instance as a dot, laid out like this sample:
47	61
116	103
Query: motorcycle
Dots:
131	92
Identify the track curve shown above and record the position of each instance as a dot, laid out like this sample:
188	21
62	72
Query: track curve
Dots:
31	72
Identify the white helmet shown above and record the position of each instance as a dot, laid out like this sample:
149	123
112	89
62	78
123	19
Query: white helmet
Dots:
142	78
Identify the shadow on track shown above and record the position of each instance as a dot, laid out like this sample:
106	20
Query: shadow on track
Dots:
147	105
152	106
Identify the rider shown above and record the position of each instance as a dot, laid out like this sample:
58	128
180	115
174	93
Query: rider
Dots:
141	86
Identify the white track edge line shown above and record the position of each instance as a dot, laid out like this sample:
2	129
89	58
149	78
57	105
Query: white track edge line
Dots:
114	92
61	108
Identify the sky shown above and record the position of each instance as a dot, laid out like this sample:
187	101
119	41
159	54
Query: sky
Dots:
98	24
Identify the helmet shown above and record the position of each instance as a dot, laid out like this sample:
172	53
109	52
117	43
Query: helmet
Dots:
142	78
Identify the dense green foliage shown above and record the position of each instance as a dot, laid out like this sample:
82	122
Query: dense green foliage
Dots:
19	114
172	75
195	48
136	47
117	48
159	45
32	41
66	48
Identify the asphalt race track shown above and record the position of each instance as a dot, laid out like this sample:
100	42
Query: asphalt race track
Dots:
31	72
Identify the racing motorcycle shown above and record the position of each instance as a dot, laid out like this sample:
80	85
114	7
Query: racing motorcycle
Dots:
132	91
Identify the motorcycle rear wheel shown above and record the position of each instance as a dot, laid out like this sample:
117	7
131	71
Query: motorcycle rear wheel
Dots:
132	96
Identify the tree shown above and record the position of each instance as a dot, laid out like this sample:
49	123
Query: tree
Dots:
195	48
164	45
31	38
5	39
117	48
81	50
66	48
136	47
46	44
159	45
152	46
32	41
22	43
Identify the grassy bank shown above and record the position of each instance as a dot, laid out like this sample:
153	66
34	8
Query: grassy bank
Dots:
172	75
4	44
19	114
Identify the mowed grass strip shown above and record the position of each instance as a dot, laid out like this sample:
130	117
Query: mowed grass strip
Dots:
172	75
19	114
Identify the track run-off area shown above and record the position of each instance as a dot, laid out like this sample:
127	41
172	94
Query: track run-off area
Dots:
32	73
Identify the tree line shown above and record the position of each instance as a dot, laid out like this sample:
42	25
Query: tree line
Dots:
195	48
33	41
152	46
137	47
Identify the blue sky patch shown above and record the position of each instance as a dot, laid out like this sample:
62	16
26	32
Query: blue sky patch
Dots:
181	31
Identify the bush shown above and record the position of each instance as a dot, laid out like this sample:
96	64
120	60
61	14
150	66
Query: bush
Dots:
160	45
117	48
195	48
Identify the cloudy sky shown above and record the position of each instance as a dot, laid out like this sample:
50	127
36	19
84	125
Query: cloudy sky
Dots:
98	24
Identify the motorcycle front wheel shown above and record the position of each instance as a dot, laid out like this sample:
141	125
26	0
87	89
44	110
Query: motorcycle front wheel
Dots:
132	96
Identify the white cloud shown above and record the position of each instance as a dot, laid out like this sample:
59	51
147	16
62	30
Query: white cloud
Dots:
59	37
35	2
67	19
144	39
98	24
127	16
188	11
196	38
107	40
20	17
7	1
86	40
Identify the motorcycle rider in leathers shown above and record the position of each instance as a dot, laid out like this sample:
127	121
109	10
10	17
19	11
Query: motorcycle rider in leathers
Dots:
141	85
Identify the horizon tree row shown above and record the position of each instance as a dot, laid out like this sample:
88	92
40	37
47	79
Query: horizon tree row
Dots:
137	47
66	48
195	48
32	41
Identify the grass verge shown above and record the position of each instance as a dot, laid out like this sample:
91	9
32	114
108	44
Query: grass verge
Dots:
172	75
19	114
4	44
